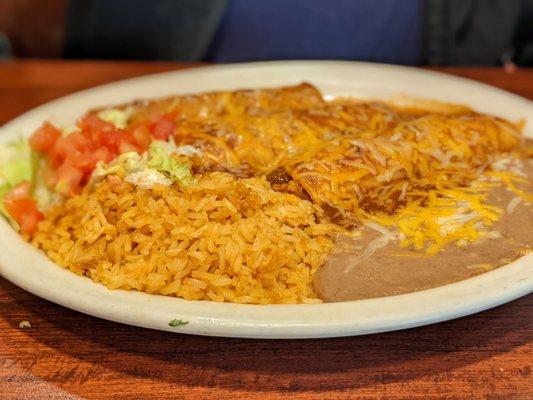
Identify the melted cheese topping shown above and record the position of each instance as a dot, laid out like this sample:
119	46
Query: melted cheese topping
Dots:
423	173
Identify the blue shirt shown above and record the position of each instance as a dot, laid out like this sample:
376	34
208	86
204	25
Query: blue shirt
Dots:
383	31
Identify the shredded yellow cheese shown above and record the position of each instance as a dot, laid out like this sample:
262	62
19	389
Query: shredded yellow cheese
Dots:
420	172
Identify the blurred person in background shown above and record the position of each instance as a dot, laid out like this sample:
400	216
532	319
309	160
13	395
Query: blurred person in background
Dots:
413	32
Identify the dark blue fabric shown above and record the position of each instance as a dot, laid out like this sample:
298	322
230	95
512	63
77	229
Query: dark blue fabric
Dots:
372	30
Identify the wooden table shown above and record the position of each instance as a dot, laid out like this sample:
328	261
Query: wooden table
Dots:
67	355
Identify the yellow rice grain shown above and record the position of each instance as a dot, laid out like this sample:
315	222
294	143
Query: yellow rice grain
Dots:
222	239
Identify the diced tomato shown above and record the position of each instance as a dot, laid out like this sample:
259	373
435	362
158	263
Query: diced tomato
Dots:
23	209
79	141
126	147
142	137
76	142
102	154
21	191
50	176
162	128
68	179
72	158
62	147
81	161
44	138
93	123
30	219
86	162
113	139
25	212
96	129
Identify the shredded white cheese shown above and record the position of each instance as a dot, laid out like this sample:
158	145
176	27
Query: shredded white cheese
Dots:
513	203
147	178
186	150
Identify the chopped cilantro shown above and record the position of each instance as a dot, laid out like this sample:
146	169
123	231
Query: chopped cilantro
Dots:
177	322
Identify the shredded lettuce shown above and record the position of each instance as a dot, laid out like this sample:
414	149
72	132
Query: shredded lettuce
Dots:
123	165
44	196
15	167
4	189
155	166
160	158
119	118
15	162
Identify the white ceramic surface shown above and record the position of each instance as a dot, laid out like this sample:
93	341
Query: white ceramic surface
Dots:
31	270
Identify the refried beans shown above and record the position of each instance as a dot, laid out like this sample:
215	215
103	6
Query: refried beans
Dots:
392	270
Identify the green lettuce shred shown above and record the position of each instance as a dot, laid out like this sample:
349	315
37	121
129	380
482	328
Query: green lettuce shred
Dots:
44	196
160	158
15	167
15	162
156	165
123	165
4	189
117	117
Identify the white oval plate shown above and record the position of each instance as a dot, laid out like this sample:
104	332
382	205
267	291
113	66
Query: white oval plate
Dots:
33	271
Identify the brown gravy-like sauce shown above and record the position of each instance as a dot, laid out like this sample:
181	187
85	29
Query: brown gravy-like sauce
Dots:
393	270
